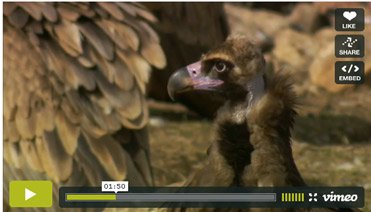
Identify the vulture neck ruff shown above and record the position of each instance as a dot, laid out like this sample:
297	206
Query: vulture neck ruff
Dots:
255	90
238	109
252	136
233	135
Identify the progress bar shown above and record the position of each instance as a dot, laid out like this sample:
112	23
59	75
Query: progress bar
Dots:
89	197
212	197
178	197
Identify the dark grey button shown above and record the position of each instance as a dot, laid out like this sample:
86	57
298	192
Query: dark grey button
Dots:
349	46
349	19
349	72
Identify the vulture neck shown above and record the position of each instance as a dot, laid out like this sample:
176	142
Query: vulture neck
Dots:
233	134
240	103
253	135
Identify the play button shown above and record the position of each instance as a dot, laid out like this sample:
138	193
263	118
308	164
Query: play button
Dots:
28	194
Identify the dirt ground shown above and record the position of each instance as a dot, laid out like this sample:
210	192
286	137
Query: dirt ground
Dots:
331	141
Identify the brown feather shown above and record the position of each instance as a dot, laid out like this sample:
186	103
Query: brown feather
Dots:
151	49
113	94
56	84
112	9
79	76
26	126
147	31
100	11
102	102
110	155
134	107
68	49
85	62
10	131
112	122
49	27
82	5
69	33
135	176
35	27
123	78
68	70
72	113
144	13
6	152
98	39
9	7
9	112
104	66
28	149
68	133
137	123
84	9
92	129
32	9
123	35
33	38
49	12
85	59
127	8
18	18
141	161
68	12
137	63
115	71
78	177
37	112
93	115
61	162
45	119
86	160
17	159
23	100
46	163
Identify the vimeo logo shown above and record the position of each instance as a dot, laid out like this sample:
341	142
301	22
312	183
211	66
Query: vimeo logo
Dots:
339	197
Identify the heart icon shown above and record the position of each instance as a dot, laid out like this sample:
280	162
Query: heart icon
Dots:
349	15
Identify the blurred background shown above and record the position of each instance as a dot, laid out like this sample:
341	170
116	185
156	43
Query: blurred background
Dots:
331	137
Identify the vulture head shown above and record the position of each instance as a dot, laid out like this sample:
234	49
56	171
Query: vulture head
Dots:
234	68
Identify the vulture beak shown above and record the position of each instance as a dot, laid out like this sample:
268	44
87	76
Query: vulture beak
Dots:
190	78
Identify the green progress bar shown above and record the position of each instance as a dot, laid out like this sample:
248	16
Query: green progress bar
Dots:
91	196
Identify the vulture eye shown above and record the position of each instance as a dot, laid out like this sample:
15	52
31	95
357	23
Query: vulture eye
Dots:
220	66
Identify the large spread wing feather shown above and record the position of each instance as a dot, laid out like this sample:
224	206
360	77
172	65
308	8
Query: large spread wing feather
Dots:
74	82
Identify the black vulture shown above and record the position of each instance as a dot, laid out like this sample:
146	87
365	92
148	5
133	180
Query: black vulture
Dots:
251	144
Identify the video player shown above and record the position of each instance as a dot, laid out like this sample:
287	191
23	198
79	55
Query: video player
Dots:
186	106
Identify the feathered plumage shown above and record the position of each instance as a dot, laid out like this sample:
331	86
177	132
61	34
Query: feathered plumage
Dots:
75	77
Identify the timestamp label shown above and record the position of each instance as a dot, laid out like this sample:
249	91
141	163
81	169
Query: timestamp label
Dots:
115	186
